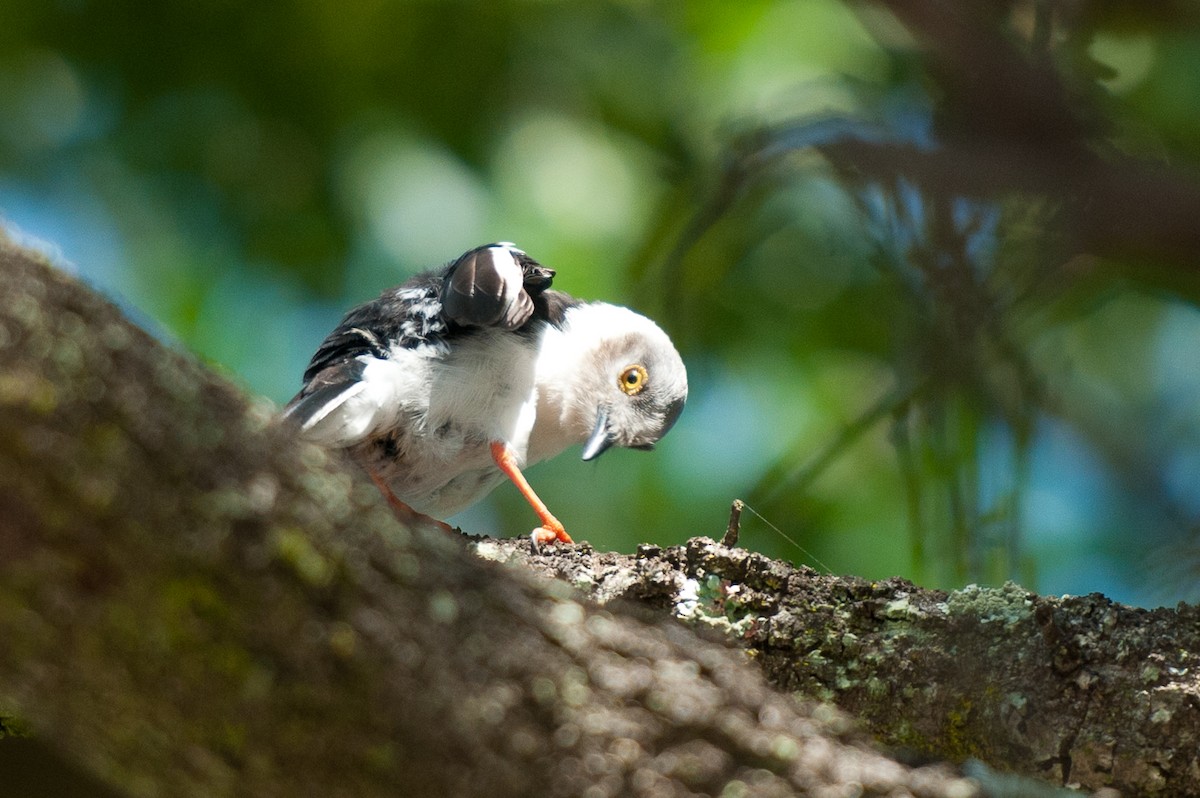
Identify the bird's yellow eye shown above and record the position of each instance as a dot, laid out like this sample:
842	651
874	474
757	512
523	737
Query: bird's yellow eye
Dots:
633	379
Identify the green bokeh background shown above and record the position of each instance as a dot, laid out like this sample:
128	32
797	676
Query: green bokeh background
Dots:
238	175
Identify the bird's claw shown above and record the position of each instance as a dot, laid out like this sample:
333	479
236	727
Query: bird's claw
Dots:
549	533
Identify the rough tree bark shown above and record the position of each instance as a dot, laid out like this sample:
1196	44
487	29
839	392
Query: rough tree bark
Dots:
1076	690
194	603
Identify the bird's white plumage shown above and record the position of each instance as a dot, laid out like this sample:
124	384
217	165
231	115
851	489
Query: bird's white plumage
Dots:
538	394
501	255
375	402
422	403
578	363
442	413
329	425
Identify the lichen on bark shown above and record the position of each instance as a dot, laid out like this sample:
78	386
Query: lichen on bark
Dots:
1075	690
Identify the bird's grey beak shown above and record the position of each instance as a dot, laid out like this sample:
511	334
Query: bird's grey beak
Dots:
600	439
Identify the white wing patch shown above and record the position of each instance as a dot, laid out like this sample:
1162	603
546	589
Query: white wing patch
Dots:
374	403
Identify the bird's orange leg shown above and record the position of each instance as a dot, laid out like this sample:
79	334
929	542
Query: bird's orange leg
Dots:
405	514
551	529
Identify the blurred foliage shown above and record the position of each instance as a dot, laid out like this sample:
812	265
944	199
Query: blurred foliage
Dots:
932	266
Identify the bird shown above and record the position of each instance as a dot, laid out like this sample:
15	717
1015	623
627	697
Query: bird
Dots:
462	376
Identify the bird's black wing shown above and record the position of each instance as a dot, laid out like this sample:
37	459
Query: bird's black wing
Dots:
343	344
493	286
334	375
325	392
496	285
406	316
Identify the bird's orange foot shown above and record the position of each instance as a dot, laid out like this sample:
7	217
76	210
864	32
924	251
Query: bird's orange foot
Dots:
550	533
552	529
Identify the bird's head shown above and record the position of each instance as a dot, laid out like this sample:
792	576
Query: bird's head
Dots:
630	383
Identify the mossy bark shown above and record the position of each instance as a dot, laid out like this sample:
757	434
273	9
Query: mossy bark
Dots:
192	602
1076	690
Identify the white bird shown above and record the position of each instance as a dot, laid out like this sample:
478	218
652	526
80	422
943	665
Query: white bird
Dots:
446	384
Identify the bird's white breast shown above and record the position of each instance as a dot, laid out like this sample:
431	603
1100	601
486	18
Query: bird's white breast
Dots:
433	447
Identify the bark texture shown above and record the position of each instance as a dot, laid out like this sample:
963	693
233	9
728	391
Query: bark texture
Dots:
1076	690
194	603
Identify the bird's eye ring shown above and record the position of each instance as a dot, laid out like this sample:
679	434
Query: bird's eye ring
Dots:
633	379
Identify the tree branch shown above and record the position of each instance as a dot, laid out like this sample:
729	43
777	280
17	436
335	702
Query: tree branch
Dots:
1077	690
192	602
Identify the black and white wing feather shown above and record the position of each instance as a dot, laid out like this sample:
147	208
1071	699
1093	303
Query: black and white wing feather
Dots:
493	286
364	371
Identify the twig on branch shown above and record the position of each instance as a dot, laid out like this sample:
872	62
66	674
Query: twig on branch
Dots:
735	524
